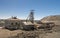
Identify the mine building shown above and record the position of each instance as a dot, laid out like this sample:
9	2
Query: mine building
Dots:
13	23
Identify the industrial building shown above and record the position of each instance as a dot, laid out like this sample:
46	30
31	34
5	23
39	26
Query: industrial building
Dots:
13	23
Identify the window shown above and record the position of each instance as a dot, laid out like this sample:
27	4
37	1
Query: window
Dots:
16	23
11	23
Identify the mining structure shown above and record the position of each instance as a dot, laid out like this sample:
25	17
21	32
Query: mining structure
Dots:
15	23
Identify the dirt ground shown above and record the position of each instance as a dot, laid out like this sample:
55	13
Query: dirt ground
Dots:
4	33
53	35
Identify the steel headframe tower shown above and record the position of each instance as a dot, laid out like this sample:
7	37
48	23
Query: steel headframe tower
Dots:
31	16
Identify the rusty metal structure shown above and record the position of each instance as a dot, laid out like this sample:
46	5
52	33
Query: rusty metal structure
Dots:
29	24
31	17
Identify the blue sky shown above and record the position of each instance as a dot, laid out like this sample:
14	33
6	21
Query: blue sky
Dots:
21	8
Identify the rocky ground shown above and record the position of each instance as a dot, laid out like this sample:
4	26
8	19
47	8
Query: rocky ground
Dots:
4	33
54	33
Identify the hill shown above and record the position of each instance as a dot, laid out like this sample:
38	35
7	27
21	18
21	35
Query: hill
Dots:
55	19
52	18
